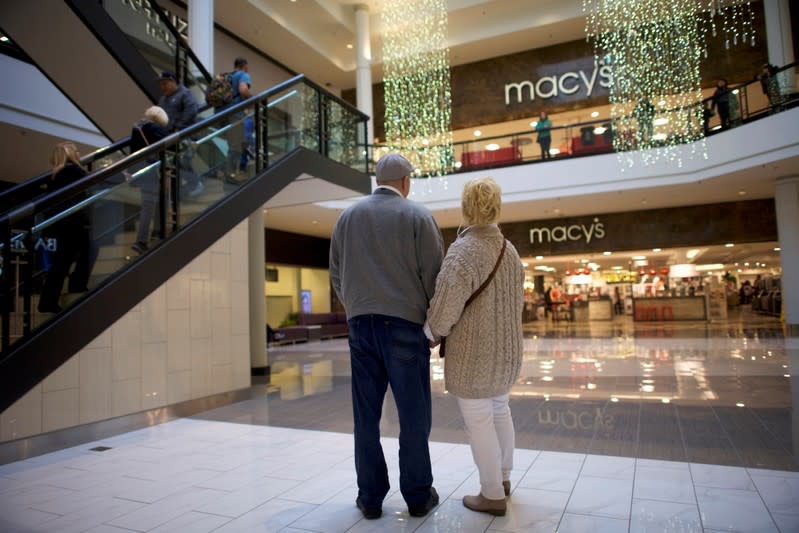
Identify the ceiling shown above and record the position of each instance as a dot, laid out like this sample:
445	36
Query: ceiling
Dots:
312	36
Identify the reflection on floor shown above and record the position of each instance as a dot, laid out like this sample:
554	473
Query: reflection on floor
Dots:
709	393
620	427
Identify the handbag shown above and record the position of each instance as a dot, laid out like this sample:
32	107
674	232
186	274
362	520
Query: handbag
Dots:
443	347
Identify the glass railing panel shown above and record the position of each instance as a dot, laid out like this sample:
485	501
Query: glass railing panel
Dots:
213	164
293	119
343	135
72	248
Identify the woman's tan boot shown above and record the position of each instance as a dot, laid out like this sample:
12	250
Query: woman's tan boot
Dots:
481	504
506	486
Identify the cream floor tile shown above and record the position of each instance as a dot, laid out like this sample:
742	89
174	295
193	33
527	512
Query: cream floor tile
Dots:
608	467
166	509
664	484
246	497
336	515
192	522
733	510
656	517
601	497
781	494
721	477
532	511
575	523
274	515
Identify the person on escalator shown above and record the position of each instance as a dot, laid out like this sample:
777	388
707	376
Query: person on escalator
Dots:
235	136
150	129
72	234
181	107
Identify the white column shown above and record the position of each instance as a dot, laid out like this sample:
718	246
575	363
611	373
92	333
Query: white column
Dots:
779	40
363	70
786	199
201	31
257	262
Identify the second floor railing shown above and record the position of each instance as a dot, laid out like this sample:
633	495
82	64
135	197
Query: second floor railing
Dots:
747	102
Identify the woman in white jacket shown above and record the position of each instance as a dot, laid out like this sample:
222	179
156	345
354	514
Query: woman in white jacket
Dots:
483	338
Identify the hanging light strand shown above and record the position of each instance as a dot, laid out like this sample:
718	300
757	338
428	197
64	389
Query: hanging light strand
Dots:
654	49
417	83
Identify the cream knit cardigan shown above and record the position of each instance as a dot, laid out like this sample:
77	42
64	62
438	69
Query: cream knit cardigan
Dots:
484	341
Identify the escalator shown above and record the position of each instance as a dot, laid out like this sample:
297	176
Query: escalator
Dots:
304	138
104	55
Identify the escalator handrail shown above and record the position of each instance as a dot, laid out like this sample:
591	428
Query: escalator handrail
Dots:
50	199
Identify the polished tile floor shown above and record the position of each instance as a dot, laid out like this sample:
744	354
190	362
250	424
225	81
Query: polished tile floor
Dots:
620	427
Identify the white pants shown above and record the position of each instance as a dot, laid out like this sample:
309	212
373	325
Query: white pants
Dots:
489	427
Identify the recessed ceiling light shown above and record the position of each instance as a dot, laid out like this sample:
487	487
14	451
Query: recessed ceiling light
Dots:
639	257
492	147
729	245
525	265
477	133
595	114
534	123
539	257
617	268
656	250
599	130
349	45
741	193
606	253
690	254
777	248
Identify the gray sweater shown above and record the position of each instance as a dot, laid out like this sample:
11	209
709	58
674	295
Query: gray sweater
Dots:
385	253
484	341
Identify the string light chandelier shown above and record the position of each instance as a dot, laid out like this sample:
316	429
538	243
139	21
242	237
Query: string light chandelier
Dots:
417	83
654	48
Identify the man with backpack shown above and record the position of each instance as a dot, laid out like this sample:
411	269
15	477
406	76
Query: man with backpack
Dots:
222	97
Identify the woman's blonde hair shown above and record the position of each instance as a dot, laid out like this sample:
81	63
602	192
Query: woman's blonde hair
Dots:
158	115
481	201
63	153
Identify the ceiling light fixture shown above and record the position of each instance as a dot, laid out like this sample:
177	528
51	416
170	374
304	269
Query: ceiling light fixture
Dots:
595	114
656	250
477	133
606	253
729	245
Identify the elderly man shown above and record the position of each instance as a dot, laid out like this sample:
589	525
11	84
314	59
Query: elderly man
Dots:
385	253
181	107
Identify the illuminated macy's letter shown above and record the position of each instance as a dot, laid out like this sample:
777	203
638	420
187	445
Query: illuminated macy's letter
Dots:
575	232
567	83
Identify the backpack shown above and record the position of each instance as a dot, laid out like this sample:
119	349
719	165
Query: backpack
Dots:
220	90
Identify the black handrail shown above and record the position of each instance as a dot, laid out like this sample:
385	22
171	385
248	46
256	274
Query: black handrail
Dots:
48	200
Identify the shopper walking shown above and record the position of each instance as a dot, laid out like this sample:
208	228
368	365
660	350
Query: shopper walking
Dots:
385	253
478	308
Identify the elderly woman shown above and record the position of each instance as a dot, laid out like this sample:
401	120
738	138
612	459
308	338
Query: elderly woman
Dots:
483	337
149	130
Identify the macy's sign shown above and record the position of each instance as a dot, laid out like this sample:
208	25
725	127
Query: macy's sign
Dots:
567	83
574	232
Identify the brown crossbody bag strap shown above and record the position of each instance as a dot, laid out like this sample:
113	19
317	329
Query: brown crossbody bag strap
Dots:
475	294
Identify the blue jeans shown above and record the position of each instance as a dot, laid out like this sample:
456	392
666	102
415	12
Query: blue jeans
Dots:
388	350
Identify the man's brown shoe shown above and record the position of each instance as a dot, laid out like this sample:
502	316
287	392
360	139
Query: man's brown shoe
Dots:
506	486
481	504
